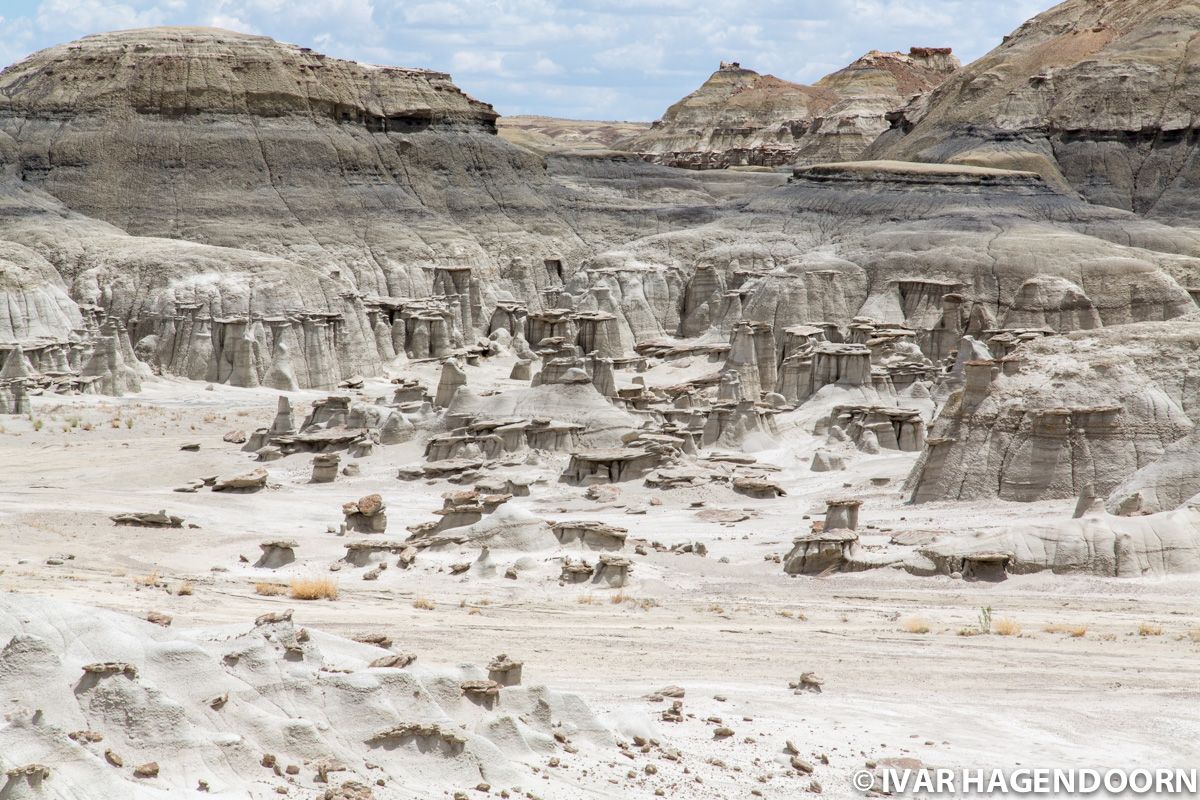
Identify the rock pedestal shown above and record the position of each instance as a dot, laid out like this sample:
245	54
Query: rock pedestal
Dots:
842	514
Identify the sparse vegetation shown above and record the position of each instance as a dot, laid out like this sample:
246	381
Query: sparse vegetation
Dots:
1194	635
1006	627
424	604
184	589
644	603
269	589
1074	631
586	600
150	579
1149	629
314	589
915	625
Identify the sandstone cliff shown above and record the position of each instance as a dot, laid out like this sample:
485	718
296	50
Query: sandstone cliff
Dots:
1095	95
739	117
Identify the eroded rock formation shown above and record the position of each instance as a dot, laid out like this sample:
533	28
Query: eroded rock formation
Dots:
1087	94
741	118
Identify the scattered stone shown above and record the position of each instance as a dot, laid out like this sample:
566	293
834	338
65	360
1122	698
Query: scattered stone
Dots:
367	515
504	670
248	482
159	519
395	661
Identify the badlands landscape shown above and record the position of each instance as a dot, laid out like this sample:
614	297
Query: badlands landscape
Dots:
364	443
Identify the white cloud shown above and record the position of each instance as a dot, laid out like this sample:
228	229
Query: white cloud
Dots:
585	58
469	61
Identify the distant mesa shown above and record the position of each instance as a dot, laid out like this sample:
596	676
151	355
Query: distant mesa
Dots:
741	118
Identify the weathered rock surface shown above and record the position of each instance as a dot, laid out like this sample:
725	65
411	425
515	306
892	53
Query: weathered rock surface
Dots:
741	118
1065	413
172	680
286	219
1097	543
941	250
1091	95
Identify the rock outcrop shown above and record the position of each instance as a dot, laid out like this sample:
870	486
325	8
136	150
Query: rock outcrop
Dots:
942	251
741	118
285	219
1065	414
1091	95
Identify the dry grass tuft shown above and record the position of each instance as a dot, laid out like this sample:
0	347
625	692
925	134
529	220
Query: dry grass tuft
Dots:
1194	635
644	603
148	580
423	604
1149	629
314	589
1006	627
1074	631
269	589
915	625
185	589
586	600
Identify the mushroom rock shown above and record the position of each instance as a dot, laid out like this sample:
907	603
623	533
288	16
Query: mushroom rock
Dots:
821	552
367	515
842	514
276	553
251	481
453	376
613	570
325	467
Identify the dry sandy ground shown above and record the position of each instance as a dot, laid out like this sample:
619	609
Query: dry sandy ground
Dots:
731	627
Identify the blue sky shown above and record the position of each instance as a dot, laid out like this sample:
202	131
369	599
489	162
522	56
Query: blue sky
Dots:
589	59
